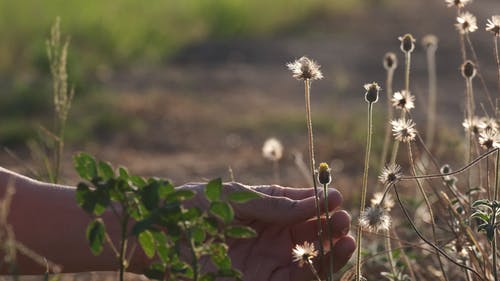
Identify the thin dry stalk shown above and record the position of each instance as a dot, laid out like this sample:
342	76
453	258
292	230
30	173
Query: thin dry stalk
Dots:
429	208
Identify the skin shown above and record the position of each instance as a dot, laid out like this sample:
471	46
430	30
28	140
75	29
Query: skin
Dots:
46	218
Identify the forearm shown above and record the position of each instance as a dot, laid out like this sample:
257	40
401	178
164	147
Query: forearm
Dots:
46	218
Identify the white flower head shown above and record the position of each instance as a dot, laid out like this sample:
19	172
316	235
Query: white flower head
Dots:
466	23
305	69
304	253
390	174
387	204
403	100
488	123
493	25
489	139
272	149
472	125
375	219
403	130
457	3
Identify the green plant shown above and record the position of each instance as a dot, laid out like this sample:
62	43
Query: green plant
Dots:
161	221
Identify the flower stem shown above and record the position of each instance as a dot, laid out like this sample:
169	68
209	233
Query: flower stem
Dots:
431	110
407	70
307	88
497	59
363	190
329	232
390	113
313	270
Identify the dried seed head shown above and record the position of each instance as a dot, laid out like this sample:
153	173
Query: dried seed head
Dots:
468	69
324	174
391	174
472	125
403	100
305	69
390	61
430	42
387	202
272	149
445	170
375	219
489	139
457	3
407	43
487	123
493	25
466	23
404	130
371	95
304	253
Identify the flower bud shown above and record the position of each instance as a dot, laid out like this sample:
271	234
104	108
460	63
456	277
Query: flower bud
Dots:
371	94
407	43
468	69
324	174
390	61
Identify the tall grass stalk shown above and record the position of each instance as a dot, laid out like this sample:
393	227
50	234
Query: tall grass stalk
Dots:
363	190
57	53
429	208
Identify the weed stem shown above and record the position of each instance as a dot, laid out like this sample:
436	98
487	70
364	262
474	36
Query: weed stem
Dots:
307	88
363	190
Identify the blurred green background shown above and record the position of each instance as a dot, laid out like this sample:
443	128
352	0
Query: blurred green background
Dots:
111	36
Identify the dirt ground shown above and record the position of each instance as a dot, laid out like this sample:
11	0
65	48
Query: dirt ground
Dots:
211	108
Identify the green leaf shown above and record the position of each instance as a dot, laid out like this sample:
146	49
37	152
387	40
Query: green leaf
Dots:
123	172
162	247
165	189
210	276
137	181
240	232
481	215
481	202
141	226
155	271
211	225
213	190
85	165
179	195
105	171
95	235
222	210
219	256
191	214
198	235
147	242
85	198
242	196
150	196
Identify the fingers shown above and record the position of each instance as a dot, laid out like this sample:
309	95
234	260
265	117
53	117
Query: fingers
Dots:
308	230
342	252
276	206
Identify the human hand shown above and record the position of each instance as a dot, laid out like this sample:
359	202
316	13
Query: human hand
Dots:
283	217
